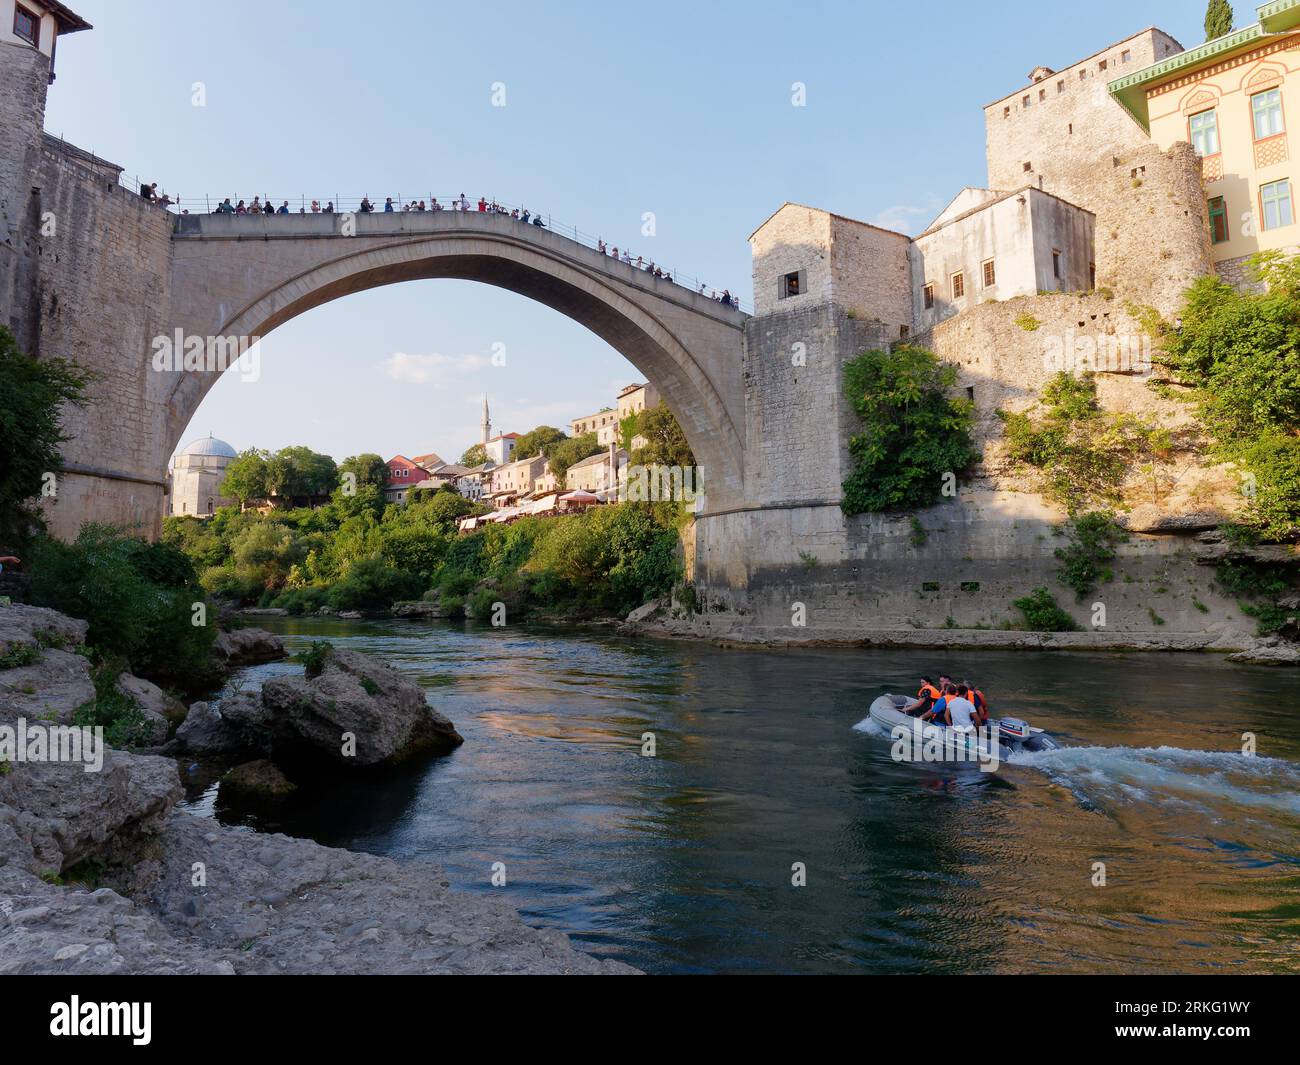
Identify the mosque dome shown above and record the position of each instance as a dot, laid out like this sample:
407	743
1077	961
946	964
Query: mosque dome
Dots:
209	447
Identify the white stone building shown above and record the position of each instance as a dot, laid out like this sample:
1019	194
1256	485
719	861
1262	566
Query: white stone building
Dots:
197	473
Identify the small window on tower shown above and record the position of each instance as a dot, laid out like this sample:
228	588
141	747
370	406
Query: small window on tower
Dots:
1056	264
27	25
1125	56
990	274
1060	87
958	286
1102	65
792	284
1028	167
927	296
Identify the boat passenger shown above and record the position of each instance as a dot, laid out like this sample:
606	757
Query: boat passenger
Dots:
938	715
981	704
961	711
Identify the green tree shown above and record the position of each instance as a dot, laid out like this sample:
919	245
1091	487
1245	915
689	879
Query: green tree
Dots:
571	450
474	456
537	441
666	444
1240	353
368	468
246	476
913	433
293	472
1218	19
32	394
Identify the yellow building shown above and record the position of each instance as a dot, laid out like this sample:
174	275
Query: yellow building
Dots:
1233	99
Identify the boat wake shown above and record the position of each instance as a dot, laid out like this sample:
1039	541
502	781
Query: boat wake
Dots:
1207	779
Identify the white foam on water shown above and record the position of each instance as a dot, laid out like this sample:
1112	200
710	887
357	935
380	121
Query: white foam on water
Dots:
1153	774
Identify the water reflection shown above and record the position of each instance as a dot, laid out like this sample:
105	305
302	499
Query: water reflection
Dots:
684	862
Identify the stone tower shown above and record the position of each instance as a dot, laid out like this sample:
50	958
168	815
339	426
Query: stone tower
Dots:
486	424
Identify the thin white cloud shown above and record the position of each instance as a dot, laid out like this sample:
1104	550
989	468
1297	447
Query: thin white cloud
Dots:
432	369
903	218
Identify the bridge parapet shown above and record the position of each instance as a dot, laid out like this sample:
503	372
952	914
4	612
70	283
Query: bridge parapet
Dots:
415	224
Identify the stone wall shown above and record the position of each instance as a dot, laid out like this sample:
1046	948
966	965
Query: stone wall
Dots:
1153	235
1056	130
104	294
24	77
798	420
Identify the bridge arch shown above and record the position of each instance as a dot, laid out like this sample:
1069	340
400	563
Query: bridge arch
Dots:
244	276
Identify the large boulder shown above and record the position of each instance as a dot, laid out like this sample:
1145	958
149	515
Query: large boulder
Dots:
50	689
157	707
247	647
353	711
259	780
36	625
62	815
206	732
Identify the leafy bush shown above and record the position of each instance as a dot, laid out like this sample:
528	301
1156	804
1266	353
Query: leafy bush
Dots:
32	395
313	658
913	433
119	715
371	582
1083	454
137	598
1043	614
1240	352
1093	538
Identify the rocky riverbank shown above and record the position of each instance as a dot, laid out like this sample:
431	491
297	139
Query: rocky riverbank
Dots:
100	873
671	621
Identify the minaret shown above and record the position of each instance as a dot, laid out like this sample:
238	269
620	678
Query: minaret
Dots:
487	422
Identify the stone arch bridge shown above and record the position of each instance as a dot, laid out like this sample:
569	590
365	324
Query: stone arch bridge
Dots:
242	276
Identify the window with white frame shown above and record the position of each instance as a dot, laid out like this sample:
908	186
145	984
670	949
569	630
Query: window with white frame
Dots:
1266	107
1204	129
1275	204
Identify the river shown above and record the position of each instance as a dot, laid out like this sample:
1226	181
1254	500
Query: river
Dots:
683	862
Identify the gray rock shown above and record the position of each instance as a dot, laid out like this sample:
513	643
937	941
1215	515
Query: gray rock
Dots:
250	719
339	911
27	625
89	933
52	689
386	714
1150	519
248	647
159	708
418	608
1270	651
645	612
256	780
206	732
62	815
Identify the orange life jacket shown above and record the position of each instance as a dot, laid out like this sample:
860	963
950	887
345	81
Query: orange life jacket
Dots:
930	690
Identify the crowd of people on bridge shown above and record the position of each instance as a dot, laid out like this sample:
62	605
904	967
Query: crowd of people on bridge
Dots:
260	206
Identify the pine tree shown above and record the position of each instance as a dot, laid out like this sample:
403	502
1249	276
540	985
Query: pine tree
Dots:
1218	19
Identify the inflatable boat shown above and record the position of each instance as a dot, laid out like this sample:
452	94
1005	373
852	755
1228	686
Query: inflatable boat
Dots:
999	739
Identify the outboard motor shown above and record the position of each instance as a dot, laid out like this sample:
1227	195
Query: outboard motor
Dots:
1013	731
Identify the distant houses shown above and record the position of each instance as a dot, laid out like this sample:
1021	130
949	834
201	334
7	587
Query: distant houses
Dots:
514	487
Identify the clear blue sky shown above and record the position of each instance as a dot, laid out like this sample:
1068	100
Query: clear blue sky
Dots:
612	110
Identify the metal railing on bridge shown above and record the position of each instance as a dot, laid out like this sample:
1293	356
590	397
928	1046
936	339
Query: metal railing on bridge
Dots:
401	204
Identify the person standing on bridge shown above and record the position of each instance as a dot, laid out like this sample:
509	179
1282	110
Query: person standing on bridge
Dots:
388	205
284	207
